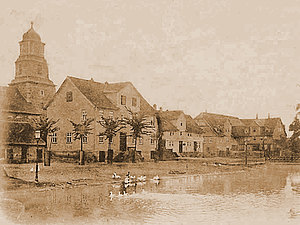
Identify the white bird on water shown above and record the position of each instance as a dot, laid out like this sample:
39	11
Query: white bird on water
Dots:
141	178
156	178
111	195
115	176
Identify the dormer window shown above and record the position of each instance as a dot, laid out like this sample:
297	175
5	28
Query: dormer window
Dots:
246	131
69	96
123	100
42	93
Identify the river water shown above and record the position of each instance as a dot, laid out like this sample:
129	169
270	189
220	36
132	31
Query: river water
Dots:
263	195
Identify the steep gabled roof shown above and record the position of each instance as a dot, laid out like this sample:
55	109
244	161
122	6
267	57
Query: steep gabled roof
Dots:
96	92
12	100
93	91
167	125
215	121
192	126
171	115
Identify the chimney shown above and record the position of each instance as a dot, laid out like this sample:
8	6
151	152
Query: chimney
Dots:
268	115
257	116
160	109
155	106
92	79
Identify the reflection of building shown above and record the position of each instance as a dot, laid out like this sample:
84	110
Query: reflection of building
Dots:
180	132
24	99
78	99
227	135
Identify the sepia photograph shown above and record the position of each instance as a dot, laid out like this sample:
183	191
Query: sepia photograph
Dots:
150	112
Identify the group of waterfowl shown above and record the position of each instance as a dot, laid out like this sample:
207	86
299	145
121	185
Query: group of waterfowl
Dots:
128	181
132	179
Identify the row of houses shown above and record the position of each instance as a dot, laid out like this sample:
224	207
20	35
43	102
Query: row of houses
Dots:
32	94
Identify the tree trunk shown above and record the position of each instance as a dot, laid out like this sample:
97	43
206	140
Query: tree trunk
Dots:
108	152
81	153
134	150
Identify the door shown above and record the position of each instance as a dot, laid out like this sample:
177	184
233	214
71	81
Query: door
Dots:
180	146
24	154
195	146
123	142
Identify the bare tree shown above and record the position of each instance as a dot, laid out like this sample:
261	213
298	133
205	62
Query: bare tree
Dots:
80	131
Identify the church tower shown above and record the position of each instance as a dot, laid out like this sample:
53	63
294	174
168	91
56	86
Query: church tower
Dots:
31	71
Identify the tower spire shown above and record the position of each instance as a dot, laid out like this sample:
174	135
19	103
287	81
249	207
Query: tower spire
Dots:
31	24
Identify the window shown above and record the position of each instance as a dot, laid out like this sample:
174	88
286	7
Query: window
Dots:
254	130
84	139
134	102
123	100
122	116
246	131
101	114
42	93
69	96
210	140
132	140
180	133
84	115
181	124
140	140
40	68
54	138
101	139
111	115
69	138
152	141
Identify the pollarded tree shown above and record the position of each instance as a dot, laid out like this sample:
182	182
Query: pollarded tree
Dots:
112	127
46	126
80	131
139	126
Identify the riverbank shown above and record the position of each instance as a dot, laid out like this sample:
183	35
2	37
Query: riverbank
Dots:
99	173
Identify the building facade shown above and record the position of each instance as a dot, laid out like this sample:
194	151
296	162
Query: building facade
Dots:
230	136
180	132
79	99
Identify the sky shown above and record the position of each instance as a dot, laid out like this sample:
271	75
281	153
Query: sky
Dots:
233	57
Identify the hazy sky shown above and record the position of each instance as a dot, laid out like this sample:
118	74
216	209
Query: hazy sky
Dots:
233	57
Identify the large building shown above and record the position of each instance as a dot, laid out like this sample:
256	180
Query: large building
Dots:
79	99
24	99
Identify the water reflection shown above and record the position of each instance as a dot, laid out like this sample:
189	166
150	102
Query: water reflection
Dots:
265	195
